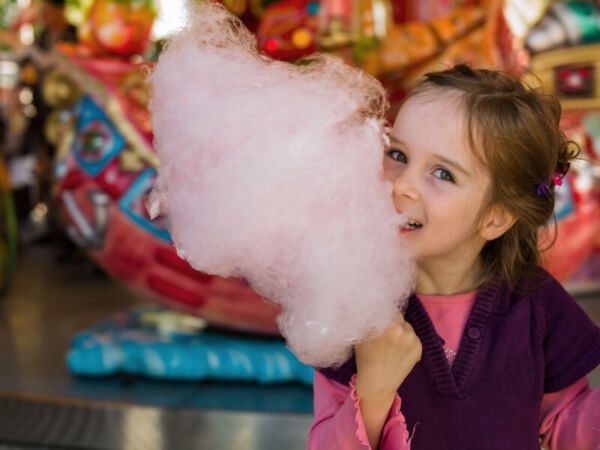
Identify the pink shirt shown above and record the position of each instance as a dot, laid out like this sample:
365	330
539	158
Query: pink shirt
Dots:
449	316
569	420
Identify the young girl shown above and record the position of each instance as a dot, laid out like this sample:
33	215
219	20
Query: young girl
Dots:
491	353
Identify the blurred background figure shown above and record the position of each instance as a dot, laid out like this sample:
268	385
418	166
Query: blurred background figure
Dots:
53	28
36	29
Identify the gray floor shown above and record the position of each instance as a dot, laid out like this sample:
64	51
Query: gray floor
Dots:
76	424
52	301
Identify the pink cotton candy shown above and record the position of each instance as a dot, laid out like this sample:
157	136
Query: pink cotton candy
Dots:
273	172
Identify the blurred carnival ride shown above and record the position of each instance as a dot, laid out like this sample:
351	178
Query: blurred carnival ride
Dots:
105	164
563	41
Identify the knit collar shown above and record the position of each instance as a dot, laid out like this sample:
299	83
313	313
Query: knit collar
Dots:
454	382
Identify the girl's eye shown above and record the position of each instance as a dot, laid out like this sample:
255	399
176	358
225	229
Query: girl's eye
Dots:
444	175
397	155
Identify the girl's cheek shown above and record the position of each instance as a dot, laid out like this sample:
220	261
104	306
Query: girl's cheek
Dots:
436	186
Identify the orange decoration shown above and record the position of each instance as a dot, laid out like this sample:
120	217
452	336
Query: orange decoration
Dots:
117	28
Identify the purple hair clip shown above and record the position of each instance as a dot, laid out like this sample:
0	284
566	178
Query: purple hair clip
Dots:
543	189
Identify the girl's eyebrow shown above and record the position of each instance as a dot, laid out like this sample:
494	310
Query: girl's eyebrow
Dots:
395	140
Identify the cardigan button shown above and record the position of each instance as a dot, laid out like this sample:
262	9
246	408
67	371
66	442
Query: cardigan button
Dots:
474	333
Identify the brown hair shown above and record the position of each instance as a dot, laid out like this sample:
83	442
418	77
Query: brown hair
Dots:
515	131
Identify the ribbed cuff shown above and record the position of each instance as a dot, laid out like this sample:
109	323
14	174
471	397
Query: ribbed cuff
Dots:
361	432
394	419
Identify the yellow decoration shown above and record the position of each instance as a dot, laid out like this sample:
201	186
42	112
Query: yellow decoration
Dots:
301	38
52	126
59	90
76	11
169	322
65	144
135	88
129	161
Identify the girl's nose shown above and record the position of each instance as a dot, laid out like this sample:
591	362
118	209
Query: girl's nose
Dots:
404	188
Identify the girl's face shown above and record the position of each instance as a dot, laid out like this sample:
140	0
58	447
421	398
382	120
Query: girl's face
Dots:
438	181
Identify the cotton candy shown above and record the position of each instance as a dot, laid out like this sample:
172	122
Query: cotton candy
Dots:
273	172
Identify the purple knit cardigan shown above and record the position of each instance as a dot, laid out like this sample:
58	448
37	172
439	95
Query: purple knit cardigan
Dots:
516	346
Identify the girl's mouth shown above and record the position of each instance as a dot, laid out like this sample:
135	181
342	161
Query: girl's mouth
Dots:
410	225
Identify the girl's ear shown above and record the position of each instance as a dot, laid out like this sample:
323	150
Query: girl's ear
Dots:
496	222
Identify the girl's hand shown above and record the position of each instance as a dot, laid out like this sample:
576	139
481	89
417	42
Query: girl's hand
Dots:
385	361
382	364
